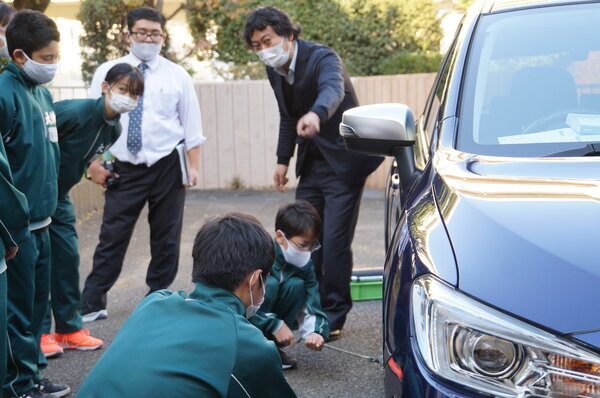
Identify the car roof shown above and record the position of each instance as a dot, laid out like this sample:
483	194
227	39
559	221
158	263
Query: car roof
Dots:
492	6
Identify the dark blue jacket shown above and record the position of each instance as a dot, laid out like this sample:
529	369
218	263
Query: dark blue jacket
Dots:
322	85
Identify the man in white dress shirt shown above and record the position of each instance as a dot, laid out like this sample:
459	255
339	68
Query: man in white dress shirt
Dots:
147	164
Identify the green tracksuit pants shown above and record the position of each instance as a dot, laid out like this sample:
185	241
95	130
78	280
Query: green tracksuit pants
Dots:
3	338
285	299
28	276
64	276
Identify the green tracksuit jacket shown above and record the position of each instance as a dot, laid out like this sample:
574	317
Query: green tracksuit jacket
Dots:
292	293
14	229
196	345
14	213
28	129
82	134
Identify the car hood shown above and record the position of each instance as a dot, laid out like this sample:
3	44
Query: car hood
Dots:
526	234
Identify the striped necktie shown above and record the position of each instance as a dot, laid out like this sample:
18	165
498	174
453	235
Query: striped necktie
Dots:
134	132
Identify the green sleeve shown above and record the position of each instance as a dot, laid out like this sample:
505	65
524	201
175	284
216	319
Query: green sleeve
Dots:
8	115
257	371
267	323
14	210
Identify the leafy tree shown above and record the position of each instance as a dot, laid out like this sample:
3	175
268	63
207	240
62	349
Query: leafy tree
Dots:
406	62
103	23
462	5
363	32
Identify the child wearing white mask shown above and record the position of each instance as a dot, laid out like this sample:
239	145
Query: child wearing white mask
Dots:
86	129
30	141
6	14
292	298
200	344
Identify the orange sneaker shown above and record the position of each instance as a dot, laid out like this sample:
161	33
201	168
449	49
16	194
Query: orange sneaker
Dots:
50	347
80	340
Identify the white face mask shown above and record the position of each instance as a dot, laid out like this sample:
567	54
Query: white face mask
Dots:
145	51
4	49
121	103
253	309
275	56
39	73
294	256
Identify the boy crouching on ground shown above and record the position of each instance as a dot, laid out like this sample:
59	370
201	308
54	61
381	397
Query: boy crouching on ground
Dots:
292	293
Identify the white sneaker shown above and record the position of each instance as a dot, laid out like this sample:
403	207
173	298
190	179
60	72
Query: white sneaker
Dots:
92	316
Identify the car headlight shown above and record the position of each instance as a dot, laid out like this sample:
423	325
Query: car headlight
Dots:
467	342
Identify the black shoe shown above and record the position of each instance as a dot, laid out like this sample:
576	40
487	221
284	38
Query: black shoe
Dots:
35	393
335	334
52	390
287	361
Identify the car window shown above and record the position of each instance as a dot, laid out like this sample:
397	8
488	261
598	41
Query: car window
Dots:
532	85
439	89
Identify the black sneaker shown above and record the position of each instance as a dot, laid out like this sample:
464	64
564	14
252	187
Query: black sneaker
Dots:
287	361
52	390
35	393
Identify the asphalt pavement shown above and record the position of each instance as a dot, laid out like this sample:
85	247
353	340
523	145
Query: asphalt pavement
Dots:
323	374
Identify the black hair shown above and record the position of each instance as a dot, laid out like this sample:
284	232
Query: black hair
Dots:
259	19
147	13
298	218
6	13
227	249
121	70
30	31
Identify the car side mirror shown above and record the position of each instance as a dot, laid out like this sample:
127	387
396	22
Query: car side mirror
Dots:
380	129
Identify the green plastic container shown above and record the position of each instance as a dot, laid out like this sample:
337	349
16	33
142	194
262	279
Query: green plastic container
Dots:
361	290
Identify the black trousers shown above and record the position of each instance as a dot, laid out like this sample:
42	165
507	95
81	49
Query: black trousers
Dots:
338	204
160	186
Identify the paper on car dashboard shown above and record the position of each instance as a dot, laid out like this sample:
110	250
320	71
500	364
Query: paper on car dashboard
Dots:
582	128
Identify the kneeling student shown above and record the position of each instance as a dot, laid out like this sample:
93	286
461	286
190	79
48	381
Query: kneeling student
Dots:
201	344
292	299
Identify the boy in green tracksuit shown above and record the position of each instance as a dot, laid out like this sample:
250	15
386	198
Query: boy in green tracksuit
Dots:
14	230
28	130
292	299
201	344
86	129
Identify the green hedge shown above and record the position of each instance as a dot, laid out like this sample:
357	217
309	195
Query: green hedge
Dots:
405	62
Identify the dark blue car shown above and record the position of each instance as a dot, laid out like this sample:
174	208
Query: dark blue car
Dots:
492	275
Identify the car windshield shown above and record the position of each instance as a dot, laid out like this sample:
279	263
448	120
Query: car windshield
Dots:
532	84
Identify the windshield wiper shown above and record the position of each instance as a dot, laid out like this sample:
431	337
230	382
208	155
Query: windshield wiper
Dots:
588	150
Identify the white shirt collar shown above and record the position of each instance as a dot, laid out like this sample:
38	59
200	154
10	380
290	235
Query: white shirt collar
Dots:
152	64
289	75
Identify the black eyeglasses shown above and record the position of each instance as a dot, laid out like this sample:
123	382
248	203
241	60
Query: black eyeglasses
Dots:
142	36
312	247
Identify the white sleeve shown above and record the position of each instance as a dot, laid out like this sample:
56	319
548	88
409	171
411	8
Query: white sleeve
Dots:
306	322
96	86
189	114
